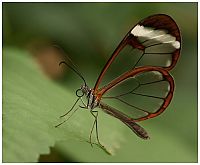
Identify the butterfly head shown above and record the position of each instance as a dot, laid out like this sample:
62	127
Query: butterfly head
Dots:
83	90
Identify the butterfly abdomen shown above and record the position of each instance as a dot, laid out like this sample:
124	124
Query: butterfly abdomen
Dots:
137	129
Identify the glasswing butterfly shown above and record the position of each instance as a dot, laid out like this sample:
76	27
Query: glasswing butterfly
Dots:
144	85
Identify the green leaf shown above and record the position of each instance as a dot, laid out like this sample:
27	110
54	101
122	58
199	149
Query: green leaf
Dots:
32	105
25	129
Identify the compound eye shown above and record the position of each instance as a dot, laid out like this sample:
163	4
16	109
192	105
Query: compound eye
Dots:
79	93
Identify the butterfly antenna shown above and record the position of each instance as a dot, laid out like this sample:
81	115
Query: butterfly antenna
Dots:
72	66
76	71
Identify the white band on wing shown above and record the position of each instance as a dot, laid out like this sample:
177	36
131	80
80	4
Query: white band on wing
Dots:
158	35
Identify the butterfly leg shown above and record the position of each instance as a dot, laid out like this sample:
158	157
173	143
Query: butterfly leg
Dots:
67	118
96	127
71	108
68	113
92	128
84	105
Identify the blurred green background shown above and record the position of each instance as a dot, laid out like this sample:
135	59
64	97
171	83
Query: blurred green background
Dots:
36	91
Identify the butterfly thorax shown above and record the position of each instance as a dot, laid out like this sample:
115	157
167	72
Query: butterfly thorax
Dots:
92	100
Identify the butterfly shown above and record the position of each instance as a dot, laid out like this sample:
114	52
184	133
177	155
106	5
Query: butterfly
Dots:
143	87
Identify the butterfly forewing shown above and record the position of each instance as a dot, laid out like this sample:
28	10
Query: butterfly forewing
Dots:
154	41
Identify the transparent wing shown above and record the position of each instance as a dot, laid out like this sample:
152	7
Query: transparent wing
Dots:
141	93
154	41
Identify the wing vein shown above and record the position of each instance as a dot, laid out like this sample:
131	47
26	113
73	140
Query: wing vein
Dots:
129	104
148	95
